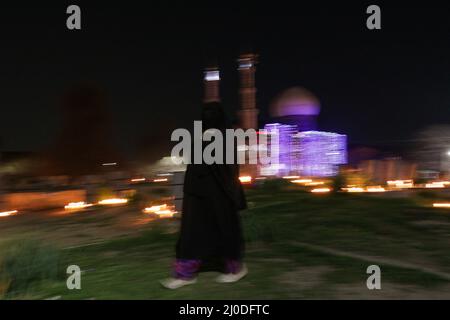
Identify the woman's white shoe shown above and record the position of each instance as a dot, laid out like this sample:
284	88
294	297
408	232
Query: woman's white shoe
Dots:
233	277
173	283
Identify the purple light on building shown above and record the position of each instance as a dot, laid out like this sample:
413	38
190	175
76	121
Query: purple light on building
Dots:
283	148
296	106
307	153
320	153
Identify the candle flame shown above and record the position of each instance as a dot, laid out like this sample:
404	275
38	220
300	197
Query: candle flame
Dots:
376	189
245	179
77	205
113	201
163	211
321	190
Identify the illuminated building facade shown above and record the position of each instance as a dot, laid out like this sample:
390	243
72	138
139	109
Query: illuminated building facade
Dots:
319	153
303	150
306	153
281	140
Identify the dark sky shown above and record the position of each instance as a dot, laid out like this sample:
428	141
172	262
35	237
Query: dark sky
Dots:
376	86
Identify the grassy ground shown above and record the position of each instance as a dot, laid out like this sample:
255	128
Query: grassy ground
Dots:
299	246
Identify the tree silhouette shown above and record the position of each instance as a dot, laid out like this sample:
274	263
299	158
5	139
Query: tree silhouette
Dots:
85	140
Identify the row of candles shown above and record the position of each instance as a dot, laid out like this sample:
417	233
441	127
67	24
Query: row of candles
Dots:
318	187
162	211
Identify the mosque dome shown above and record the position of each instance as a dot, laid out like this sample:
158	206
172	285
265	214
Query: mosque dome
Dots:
296	101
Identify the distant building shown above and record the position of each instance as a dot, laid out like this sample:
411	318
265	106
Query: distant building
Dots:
389	169
428	174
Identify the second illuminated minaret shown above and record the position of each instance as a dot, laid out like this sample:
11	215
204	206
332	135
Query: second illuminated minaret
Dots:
248	114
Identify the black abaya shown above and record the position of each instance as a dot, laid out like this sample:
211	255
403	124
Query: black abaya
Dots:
211	227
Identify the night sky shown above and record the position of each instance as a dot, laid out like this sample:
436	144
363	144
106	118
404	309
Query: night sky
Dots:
379	87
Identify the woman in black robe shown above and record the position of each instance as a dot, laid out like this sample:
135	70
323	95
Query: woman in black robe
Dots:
211	234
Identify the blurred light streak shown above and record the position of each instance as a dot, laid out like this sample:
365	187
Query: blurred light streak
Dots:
163	211
7	213
154	209
376	189
321	190
302	181
291	177
77	205
166	213
401	184
354	189
313	184
246	179
435	185
113	201
109	164
441	205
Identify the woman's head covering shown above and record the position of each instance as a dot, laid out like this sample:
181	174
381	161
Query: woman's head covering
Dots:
214	117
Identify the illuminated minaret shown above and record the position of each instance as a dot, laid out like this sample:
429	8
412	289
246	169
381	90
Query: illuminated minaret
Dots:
249	113
212	81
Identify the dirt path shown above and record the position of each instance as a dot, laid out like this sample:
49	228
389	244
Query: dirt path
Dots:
374	259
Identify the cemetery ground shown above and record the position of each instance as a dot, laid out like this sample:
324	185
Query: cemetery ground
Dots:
298	246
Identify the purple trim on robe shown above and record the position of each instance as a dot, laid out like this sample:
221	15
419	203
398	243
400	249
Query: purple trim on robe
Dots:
186	269
233	266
